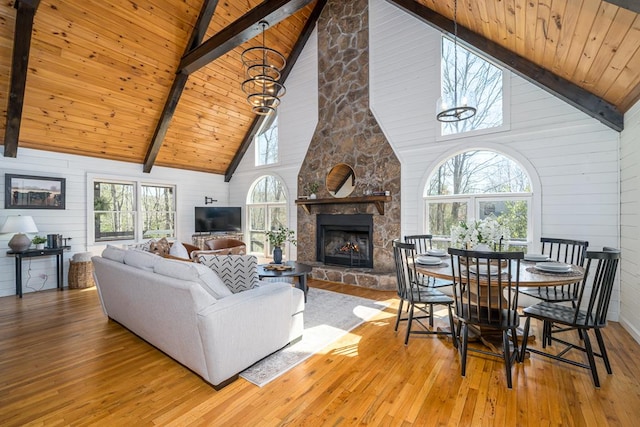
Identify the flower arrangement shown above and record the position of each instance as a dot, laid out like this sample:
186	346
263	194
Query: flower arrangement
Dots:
488	231
281	235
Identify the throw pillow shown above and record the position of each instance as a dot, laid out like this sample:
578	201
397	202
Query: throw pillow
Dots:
145	246
178	250
114	253
161	247
140	259
238	272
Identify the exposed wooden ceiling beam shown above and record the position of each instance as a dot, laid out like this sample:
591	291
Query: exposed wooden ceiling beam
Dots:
197	35
200	54
26	10
583	100
238	32
632	5
291	60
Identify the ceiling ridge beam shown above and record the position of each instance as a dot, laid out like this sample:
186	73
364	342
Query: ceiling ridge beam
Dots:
177	87
243	29
569	92
26	10
291	61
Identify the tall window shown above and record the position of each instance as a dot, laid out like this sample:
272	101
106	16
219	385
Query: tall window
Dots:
477	184
478	80
267	142
267	210
132	211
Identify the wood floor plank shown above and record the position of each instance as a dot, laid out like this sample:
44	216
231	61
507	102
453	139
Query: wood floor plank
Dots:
62	362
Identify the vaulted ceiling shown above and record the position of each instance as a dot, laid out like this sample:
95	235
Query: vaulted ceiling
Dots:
158	82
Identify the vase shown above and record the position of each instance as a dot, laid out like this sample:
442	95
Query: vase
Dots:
312	196
277	255
39	245
482	247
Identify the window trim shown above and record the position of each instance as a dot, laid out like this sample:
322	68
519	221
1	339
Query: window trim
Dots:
534	180
473	206
137	183
506	106
266	205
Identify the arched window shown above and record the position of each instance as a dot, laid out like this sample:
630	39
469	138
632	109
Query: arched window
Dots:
267	209
476	184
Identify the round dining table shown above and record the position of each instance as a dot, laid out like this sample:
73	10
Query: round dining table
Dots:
530	277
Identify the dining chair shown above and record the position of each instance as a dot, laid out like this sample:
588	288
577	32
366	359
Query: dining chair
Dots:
423	243
588	313
567	251
485	290
420	298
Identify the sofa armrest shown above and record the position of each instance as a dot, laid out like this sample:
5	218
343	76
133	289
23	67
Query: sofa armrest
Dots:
243	328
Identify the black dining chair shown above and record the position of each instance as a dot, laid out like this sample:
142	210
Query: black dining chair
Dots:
420	298
424	243
588	313
485	290
567	251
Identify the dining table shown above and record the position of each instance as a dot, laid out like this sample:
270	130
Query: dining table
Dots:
530	276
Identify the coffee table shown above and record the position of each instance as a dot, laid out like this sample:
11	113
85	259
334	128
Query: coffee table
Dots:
287	269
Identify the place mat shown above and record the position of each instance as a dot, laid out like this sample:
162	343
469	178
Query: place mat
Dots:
441	265
555	273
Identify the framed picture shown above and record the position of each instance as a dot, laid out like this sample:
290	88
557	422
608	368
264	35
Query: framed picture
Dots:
33	192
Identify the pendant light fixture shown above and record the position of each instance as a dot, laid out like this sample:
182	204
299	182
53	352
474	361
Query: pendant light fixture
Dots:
263	70
460	111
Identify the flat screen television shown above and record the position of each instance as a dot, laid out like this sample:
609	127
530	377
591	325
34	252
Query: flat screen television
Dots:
218	219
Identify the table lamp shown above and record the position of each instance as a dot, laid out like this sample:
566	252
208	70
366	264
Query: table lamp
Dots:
19	224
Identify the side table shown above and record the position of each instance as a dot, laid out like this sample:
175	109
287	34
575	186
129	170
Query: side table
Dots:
295	269
34	253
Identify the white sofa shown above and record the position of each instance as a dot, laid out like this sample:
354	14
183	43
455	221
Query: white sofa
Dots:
185	310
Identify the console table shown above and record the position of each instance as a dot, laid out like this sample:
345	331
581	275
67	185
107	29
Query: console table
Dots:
35	253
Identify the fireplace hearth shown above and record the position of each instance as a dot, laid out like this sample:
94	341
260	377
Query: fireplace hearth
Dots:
345	239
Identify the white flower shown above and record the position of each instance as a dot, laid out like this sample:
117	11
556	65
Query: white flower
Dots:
488	231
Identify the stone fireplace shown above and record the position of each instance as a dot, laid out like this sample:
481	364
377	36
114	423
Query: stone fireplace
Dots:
345	240
347	132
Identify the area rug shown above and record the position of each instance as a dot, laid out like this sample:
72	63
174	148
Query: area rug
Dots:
327	317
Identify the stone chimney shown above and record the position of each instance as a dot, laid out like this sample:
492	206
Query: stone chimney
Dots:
347	132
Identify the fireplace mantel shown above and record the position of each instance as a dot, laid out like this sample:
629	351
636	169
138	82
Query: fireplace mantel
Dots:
378	201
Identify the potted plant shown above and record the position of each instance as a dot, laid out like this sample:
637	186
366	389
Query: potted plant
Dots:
312	187
39	241
276	238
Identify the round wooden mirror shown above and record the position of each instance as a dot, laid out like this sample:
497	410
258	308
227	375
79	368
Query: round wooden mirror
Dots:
341	180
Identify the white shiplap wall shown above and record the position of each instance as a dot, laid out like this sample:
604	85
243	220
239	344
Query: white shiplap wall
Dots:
630	223
191	188
297	120
571	158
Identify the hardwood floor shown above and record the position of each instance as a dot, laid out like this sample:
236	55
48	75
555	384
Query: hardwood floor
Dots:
63	363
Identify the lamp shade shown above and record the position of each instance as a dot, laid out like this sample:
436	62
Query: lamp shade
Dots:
19	225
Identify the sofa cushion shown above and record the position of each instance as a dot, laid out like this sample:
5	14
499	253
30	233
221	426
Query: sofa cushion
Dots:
194	273
178	250
238	272
140	259
114	253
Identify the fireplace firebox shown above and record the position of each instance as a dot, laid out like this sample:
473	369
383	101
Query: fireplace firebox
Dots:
345	240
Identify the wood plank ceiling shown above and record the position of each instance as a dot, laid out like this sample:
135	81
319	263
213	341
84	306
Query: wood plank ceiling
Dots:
100	73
